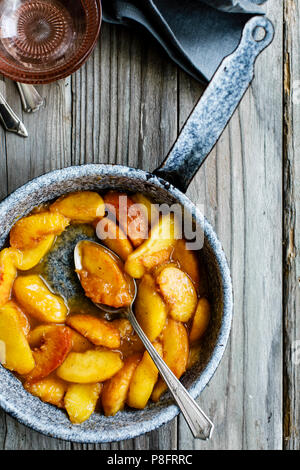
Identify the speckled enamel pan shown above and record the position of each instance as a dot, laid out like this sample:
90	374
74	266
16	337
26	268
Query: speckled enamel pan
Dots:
200	133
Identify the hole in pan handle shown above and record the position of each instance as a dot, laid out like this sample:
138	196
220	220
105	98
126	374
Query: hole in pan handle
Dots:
216	106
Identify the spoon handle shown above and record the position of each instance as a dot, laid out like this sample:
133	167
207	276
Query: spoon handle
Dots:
199	423
31	99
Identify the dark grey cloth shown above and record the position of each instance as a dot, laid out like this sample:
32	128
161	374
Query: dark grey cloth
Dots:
197	34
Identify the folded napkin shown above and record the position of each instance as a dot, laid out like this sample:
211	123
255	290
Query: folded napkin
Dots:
197	34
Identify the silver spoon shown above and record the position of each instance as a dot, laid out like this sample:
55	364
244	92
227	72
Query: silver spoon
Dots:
199	423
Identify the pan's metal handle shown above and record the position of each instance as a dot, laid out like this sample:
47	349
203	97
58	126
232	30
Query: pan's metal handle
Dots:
219	101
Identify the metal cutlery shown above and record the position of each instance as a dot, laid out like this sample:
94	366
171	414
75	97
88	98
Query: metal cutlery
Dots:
10	121
31	99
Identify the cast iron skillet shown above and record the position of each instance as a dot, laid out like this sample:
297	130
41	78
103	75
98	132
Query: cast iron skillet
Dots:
167	184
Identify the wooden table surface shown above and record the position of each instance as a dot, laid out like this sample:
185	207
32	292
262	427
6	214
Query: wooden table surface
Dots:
127	105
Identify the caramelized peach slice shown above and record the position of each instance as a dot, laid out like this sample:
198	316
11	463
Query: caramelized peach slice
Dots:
56	344
178	292
153	260
50	390
115	390
30	258
80	343
35	297
102	277
96	330
17	353
175	353
8	272
80	401
36	336
114	238
188	261
23	320
200	320
143	380
31	230
162	237
131	217
150	309
80	207
150	209
90	367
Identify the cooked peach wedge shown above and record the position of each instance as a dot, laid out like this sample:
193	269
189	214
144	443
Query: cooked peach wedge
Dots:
175	353
36	336
9	258
31	230
80	343
162	237
22	317
178	292
97	330
150	209
114	237
101	275
18	356
132	218
150	309
80	207
28	259
115	390
56	344
188	261
80	401
33	295
90	367
157	259
201	320
50	390
143	380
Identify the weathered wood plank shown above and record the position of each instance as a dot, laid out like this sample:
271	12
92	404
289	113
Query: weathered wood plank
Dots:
243	185
291	259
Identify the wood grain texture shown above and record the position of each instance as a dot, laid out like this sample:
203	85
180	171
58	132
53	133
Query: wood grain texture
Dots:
127	105
291	225
243	191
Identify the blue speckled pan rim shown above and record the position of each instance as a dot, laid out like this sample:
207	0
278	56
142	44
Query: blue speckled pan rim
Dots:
169	412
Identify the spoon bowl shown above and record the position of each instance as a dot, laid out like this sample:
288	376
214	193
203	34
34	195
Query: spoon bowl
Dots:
78	267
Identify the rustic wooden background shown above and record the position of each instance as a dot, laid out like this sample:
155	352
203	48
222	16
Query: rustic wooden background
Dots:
127	105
